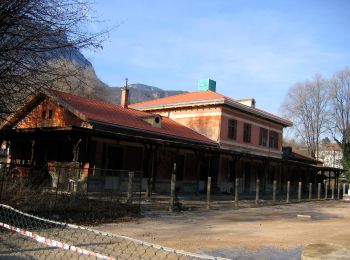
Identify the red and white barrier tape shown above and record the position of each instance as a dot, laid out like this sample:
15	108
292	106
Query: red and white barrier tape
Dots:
54	243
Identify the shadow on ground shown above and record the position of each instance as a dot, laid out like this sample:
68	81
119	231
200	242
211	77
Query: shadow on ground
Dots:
261	254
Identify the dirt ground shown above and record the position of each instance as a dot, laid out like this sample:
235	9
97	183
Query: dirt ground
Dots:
276	227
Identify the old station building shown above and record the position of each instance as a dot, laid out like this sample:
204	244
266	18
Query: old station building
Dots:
204	133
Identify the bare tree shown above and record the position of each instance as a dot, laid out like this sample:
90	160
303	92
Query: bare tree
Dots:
339	89
306	105
39	40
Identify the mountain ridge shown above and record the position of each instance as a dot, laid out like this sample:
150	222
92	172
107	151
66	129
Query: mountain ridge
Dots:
94	87
139	92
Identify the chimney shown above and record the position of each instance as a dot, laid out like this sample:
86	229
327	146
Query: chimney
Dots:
250	102
207	84
124	99
153	119
287	150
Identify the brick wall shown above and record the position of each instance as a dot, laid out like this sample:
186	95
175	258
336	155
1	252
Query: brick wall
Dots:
213	123
203	120
256	123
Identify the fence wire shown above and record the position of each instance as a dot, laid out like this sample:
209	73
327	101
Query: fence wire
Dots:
26	236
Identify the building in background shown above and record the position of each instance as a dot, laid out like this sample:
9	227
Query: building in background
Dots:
331	155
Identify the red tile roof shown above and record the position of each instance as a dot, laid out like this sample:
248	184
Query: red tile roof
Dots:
198	97
180	98
116	115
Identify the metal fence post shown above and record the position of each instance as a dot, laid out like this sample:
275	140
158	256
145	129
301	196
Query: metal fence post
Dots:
172	192
319	191
274	188
326	191
1	188
257	191
58	182
172	189
208	192
130	182
299	191
2	175
236	191
310	191
288	190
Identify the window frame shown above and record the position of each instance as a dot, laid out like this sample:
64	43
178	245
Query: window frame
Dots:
50	114
232	129
43	115
273	139
247	132
263	136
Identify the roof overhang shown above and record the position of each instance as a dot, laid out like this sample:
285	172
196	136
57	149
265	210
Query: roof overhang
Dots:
141	132
108	132
259	113
330	169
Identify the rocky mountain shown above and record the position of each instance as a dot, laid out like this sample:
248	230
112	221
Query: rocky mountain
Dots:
79	77
90	85
140	92
35	56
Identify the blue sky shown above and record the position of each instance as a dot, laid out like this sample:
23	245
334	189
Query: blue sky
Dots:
253	49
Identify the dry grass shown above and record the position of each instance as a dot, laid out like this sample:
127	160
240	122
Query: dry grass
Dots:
63	206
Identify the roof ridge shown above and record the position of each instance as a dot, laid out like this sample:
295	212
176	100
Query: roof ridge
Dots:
100	101
82	97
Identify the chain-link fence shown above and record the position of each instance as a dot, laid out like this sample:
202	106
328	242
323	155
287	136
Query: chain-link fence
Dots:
30	237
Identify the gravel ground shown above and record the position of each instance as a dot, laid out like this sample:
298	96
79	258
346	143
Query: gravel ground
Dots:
269	232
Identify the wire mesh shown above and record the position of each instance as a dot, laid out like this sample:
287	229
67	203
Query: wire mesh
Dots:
26	236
